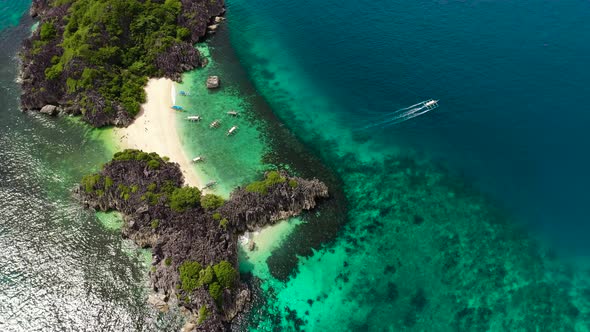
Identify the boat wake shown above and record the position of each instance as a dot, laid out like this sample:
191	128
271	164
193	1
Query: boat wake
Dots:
403	114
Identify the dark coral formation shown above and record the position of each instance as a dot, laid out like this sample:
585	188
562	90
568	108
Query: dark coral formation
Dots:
101	70
423	251
472	269
144	186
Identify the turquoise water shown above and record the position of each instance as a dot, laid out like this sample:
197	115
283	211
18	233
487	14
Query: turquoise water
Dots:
229	160
470	217
11	12
261	143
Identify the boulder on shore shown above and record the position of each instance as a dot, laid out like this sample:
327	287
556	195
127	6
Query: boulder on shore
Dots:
49	110
213	82
159	302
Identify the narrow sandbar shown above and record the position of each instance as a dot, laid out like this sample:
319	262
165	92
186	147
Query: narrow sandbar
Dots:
154	129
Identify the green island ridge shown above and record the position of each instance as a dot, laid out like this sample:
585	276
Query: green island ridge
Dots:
193	236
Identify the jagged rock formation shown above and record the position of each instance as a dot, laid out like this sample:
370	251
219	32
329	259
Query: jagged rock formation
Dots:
81	80
248	211
141	185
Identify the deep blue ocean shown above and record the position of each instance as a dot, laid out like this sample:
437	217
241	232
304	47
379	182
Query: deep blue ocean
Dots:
512	78
470	217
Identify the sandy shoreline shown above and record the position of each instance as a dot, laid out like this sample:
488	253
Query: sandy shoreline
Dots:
154	129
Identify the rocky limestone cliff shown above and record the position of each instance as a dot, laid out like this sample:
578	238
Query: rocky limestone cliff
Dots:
195	234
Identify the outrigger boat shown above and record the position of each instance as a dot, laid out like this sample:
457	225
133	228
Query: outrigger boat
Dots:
184	93
194	118
198	159
210	184
431	104
177	108
215	124
232	130
232	113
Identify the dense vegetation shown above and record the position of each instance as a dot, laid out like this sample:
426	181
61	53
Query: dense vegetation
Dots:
98	54
184	198
153	160
89	181
211	202
272	178
120	39
216	278
203	313
225	273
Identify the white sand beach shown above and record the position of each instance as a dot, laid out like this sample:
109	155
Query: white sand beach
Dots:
154	129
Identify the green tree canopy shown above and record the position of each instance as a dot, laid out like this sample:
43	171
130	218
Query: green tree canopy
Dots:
226	274
184	198
211	202
206	276
215	291
272	178
119	42
189	275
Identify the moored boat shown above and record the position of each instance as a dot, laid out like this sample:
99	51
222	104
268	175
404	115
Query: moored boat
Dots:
210	184
232	130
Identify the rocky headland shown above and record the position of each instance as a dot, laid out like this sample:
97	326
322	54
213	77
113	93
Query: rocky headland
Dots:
93	58
193	236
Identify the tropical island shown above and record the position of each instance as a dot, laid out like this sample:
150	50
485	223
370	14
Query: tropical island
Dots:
99	60
194	237
94	58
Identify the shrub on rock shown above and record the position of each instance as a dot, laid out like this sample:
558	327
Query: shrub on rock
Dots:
225	273
189	275
184	198
211	202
